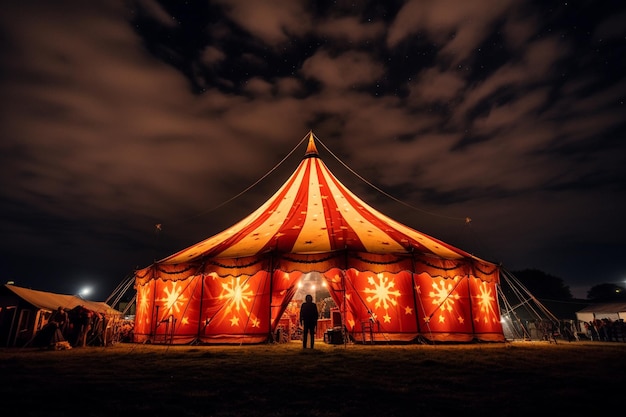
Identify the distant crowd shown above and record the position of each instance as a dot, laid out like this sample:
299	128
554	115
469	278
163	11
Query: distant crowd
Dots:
79	327
606	330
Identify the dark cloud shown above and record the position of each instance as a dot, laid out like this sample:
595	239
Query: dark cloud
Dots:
122	115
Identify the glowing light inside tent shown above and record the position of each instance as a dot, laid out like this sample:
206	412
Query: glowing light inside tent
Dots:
84	291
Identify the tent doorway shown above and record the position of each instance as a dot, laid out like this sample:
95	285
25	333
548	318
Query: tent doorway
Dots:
314	283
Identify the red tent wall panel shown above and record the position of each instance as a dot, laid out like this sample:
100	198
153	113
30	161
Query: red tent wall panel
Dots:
176	309
143	317
445	307
237	309
485	310
383	299
283	290
386	300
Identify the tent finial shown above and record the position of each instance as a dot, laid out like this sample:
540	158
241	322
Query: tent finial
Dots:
311	149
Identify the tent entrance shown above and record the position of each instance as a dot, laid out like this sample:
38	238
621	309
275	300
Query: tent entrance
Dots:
314	283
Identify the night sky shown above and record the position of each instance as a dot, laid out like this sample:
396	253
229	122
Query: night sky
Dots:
121	115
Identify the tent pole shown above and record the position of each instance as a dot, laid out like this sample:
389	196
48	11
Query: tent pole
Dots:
414	290
469	293
152	335
12	328
344	328
344	311
200	327
270	334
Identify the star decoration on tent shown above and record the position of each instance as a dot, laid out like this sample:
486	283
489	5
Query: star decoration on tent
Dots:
382	292
173	299
442	295
143	295
486	301
238	295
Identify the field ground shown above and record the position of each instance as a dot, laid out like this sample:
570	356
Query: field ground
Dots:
504	379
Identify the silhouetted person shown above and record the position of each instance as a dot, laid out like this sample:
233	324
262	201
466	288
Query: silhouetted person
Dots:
308	319
61	319
81	321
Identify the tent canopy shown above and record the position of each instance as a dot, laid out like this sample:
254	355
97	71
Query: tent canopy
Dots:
613	311
605	308
315	213
51	301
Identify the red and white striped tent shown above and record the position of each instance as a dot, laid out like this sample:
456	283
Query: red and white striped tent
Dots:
235	286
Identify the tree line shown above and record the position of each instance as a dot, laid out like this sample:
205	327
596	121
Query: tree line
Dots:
545	286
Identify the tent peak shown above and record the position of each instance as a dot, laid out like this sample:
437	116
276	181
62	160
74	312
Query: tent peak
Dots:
311	149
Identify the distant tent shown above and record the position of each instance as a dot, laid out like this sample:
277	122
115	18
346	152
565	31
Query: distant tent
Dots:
599	311
23	312
390	282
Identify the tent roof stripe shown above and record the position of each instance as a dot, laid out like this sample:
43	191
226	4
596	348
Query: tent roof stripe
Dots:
313	212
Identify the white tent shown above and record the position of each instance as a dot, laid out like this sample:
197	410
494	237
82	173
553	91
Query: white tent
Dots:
612	311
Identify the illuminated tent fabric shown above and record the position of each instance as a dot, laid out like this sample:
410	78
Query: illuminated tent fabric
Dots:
234	286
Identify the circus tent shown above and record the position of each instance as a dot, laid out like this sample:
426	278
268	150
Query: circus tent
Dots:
400	284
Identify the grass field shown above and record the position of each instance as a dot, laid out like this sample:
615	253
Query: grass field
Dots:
512	379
